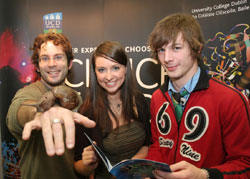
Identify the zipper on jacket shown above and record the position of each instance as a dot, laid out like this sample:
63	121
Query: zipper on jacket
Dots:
177	143
179	123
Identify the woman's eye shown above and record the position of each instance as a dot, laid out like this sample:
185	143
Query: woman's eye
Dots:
101	70
116	68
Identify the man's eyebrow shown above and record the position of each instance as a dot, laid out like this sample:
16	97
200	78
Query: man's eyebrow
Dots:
53	55
177	43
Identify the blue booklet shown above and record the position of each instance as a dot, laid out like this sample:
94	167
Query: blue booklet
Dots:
131	168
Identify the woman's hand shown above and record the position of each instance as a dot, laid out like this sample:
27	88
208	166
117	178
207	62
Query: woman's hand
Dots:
89	158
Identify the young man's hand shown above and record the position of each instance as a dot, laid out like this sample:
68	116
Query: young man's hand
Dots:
51	123
181	170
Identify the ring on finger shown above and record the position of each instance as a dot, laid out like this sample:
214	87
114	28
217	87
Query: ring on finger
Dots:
56	120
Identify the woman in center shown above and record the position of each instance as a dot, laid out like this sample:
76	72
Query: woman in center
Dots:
120	111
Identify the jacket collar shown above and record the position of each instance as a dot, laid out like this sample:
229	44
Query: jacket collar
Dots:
203	82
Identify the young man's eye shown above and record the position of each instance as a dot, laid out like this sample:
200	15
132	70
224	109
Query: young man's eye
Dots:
177	48
58	57
44	58
160	50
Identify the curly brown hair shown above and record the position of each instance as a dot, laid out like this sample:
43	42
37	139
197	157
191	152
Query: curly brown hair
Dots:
58	39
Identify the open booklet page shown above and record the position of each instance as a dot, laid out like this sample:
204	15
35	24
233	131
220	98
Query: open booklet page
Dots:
131	168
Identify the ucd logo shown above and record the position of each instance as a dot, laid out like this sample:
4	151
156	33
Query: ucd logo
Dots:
52	22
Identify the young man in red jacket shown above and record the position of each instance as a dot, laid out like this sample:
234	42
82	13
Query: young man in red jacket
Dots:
210	139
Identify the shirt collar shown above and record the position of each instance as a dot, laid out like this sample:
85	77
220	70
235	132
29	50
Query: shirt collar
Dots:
189	86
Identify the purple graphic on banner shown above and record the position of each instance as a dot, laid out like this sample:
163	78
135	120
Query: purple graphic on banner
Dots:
16	70
227	57
10	160
16	56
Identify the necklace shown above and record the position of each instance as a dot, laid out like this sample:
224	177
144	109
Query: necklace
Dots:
116	107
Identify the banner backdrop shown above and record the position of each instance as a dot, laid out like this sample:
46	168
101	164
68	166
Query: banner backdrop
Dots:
225	24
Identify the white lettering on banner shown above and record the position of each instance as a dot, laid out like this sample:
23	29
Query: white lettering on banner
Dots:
128	49
221	6
87	73
137	49
78	84
147	95
131	62
240	2
87	49
163	74
221	9
75	50
221	12
206	15
138	72
244	8
206	9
